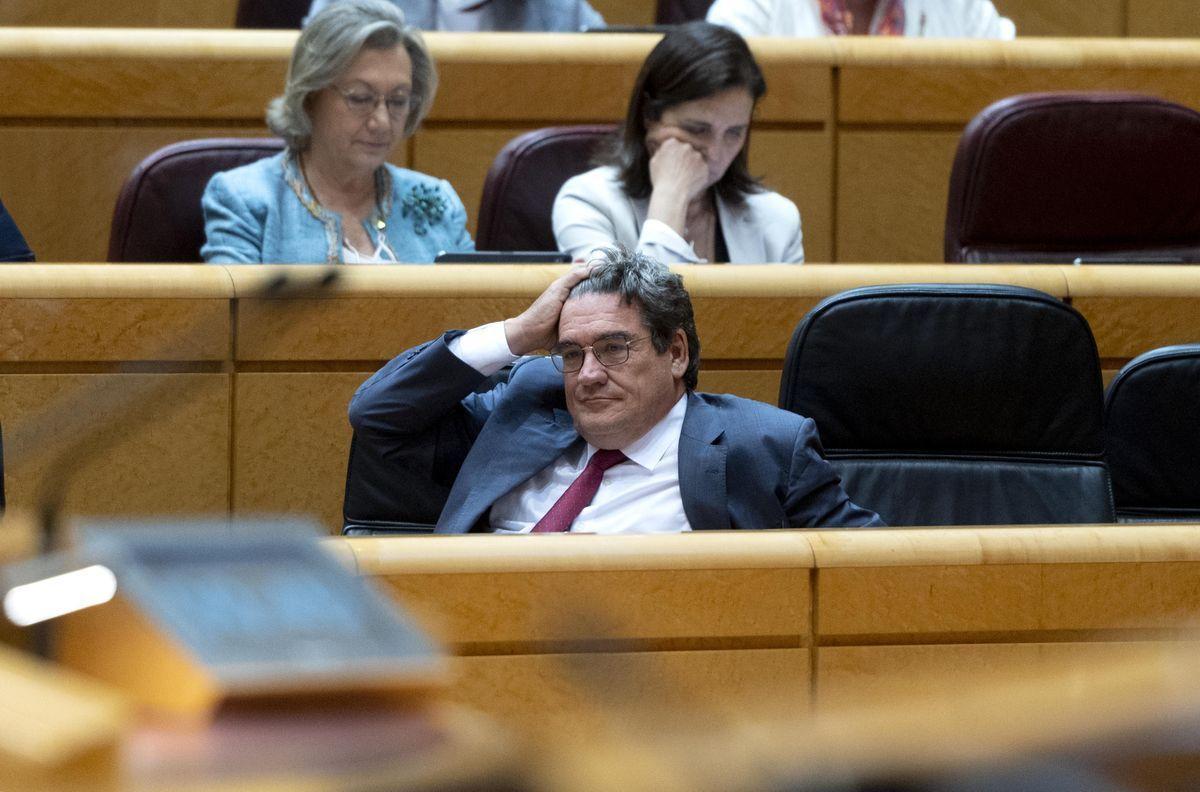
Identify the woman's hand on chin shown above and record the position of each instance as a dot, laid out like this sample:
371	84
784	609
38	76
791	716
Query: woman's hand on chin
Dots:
679	175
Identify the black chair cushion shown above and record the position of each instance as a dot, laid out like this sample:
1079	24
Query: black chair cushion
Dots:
1049	177
986	491
1152	413
948	369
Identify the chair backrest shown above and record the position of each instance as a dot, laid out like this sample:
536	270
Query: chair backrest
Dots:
519	192
384	497
158	217
675	12
271	14
1152	420
1096	176
955	404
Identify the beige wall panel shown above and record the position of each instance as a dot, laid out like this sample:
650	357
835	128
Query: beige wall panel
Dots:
64	204
1175	18
799	165
760	385
954	94
358	328
577	696
748	327
158	87
462	156
123	13
522	609
848	675
625	12
891	199
1005	598
113	329
533	94
1128	326
1040	18
598	90
176	461
291	440
580	696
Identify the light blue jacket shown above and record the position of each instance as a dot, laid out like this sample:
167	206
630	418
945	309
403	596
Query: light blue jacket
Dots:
509	15
264	213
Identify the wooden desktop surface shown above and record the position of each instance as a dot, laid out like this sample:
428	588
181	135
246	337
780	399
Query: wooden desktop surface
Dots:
251	415
859	133
560	631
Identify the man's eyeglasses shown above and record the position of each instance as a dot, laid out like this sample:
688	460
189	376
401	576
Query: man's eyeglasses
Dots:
609	352
362	103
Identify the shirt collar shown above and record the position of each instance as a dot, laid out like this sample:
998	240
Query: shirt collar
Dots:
649	449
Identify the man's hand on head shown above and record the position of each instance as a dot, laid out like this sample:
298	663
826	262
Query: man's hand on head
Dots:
537	326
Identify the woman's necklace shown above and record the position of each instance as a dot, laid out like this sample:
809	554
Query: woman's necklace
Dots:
380	222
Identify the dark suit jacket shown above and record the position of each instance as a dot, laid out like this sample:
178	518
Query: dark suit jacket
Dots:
742	464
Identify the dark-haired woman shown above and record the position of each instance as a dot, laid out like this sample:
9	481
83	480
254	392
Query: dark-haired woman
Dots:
675	185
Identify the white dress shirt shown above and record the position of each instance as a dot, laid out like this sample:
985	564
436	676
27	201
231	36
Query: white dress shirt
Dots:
638	496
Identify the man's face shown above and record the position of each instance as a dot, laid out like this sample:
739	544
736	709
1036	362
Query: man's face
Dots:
615	405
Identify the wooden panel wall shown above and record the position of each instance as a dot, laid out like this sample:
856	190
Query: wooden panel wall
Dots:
861	617
859	133
247	397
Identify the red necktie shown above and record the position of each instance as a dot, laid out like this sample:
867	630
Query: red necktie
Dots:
579	494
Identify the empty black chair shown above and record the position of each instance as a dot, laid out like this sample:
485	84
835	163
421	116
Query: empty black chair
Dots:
1152	417
955	404
525	177
271	14
1098	176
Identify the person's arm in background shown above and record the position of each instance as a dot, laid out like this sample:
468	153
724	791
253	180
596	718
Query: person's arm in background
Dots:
583	221
982	20
13	247
746	17
232	235
589	17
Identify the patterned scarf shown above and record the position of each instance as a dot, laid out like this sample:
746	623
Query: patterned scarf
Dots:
839	21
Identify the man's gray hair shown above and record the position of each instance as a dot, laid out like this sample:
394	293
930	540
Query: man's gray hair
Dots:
333	39
658	294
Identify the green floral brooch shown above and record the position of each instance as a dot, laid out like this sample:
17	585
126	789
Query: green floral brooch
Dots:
425	205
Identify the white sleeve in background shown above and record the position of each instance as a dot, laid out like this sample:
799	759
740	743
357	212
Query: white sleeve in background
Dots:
746	17
660	242
986	22
484	349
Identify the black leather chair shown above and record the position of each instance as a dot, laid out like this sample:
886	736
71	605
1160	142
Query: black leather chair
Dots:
675	12
1152	417
271	14
158	217
955	404
1096	176
518	194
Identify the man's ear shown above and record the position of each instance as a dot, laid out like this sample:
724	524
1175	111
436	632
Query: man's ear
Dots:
679	353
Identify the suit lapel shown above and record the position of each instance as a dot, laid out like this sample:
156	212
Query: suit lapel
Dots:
499	467
702	467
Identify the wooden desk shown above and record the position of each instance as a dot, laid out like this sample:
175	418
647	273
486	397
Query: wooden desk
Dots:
561	632
253	415
859	133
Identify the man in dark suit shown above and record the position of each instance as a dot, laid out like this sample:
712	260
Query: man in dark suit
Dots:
607	434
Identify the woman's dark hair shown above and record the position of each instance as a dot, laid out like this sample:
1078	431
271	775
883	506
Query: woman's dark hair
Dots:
692	61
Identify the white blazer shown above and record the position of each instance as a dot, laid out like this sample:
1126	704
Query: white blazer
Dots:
922	18
592	210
